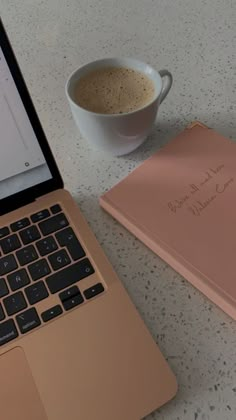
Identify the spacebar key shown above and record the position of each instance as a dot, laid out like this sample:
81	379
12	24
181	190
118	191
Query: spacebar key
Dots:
69	275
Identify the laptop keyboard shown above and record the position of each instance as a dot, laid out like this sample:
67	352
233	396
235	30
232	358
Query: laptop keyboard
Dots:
40	255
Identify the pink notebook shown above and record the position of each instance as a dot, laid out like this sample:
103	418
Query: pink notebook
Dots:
181	203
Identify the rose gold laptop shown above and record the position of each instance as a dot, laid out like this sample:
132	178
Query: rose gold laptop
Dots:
72	345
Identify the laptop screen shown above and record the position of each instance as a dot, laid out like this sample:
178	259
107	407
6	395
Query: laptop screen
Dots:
22	163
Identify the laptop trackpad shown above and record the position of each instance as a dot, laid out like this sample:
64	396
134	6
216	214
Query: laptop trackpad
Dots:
19	398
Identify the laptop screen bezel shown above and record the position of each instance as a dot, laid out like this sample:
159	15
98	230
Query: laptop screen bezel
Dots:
28	195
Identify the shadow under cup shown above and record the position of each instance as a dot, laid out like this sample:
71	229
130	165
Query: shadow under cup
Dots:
118	134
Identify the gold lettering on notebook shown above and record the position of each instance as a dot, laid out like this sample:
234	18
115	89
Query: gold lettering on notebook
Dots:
217	169
199	206
206	179
193	189
196	205
220	188
178	204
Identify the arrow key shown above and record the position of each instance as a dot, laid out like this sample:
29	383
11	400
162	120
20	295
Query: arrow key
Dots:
94	291
69	293
51	313
72	302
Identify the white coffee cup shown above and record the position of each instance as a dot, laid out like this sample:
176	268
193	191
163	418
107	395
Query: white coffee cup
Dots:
118	134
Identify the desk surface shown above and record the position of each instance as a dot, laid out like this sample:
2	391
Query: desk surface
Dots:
196	42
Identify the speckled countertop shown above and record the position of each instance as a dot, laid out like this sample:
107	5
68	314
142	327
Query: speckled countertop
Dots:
196	40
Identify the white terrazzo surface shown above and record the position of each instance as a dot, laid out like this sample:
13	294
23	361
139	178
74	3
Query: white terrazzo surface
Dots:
196	40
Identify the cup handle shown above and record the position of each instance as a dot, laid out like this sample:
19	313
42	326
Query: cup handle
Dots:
166	83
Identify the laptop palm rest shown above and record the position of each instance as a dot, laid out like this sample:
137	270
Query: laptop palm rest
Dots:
19	396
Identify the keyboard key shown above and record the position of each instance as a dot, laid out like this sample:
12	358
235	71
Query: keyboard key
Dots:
7	264
51	313
27	255
10	244
28	320
39	269
94	290
72	302
53	224
59	259
29	235
15	303
20	224
40	215
18	279
8	331
4	232
3	288
69	275
2	315
36	292
72	291
47	245
55	209
68	239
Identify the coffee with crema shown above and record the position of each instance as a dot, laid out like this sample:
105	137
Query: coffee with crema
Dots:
114	90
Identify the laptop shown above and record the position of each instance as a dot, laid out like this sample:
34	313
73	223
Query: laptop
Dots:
72	345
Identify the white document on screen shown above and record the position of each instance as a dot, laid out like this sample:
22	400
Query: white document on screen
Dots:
19	148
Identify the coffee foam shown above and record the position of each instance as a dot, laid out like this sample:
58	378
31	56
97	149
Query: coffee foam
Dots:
114	90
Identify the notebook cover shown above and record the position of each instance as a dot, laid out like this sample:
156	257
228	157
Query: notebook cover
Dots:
181	203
